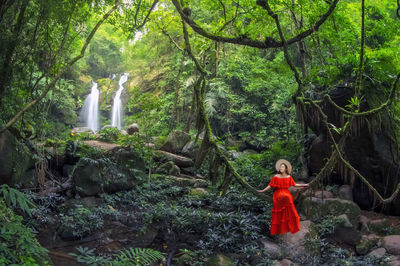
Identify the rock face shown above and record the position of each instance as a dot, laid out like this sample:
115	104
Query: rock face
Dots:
369	150
122	170
14	162
175	142
316	208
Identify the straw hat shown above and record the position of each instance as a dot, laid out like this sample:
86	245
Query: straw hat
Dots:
283	161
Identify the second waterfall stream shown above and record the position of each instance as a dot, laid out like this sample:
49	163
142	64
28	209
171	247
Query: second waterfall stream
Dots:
116	117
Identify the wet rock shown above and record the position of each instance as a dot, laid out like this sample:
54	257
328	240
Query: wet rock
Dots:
176	140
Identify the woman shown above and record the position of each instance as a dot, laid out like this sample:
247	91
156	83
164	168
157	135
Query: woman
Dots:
284	215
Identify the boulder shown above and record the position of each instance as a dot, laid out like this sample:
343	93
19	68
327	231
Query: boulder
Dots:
198	192
175	142
182	181
294	243
80	130
345	232
219	260
274	251
363	226
15	160
190	149
67	169
132	129
120	171
284	262
346	192
366	244
180	161
392	244
379	226
168	168
316	208
323	194
378	253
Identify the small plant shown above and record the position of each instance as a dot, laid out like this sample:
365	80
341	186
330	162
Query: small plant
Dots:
14	198
80	221
132	256
110	134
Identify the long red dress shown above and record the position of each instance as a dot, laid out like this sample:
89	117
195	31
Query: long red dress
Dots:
284	215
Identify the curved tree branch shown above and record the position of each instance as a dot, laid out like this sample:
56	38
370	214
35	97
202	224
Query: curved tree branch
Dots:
244	40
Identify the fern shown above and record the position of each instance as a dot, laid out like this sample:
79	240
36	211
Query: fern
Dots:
16	199
138	256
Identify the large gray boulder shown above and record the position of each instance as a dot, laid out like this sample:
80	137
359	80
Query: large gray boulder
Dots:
175	142
116	171
15	160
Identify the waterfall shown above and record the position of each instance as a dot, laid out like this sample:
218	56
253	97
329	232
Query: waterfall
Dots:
90	109
117	105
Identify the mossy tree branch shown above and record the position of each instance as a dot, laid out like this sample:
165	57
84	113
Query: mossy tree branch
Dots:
268	42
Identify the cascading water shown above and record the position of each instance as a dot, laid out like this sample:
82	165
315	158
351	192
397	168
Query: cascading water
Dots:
117	105
90	109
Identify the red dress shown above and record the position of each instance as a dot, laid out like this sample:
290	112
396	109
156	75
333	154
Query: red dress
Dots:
284	215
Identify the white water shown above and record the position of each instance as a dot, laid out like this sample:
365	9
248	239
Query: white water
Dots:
116	117
90	109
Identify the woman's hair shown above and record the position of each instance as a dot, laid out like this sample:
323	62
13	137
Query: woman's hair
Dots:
286	169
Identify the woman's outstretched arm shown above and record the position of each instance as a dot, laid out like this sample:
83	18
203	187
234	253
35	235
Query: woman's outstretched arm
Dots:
302	185
265	189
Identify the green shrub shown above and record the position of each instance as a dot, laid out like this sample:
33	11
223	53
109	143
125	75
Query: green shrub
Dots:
109	134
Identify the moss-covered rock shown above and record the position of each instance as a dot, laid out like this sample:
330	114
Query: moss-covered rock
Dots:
116	171
366	245
198	192
175	142
219	260
181	181
316	208
15	160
